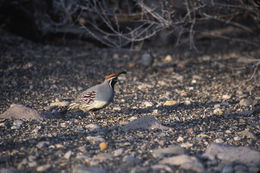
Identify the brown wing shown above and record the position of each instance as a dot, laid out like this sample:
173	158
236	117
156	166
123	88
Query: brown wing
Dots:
88	98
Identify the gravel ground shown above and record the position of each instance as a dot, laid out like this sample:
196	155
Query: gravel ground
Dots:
189	100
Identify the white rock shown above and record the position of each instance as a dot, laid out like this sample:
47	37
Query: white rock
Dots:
229	154
219	140
118	152
172	149
147	104
67	154
227	169
180	139
95	139
92	127
160	167
226	97
18	111
168	58
237	138
186	145
185	162
42	144
147	60
43	168
102	157
144	123
128	158
84	169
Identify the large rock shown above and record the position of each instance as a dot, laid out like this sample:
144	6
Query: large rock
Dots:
144	123
230	154
18	111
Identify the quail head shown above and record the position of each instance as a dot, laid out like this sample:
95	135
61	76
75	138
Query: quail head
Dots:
98	96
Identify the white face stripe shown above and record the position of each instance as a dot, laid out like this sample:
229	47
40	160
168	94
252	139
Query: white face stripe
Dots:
110	80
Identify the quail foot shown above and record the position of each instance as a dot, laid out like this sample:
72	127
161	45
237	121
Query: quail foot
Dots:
98	96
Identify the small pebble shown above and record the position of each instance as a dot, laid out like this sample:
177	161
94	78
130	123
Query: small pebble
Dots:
186	145
43	168
128	158
227	169
59	146
226	97
219	141
67	154
168	58
118	152
147	104
246	102
237	138
103	146
218	111
180	139
170	103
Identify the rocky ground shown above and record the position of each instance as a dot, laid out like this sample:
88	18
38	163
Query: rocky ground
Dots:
187	112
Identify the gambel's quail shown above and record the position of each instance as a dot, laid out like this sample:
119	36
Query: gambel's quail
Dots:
98	96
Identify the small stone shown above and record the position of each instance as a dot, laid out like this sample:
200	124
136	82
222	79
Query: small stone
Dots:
42	144
226	97
115	56
228	154
246	133
219	141
131	65
67	154
144	123
170	103
168	58
177	76
18	123
31	164
63	125
246	102
184	161
237	138
95	139
59	146
162	83
9	170
218	111
147	60
143	86
103	146
147	104
225	103
116	108
217	106
194	81
227	169
159	167
118	152
128	158
102	157
18	111
227	131
92	127
180	139
187	102
155	112
84	169
172	149
186	145
251	169
240	169
43	168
